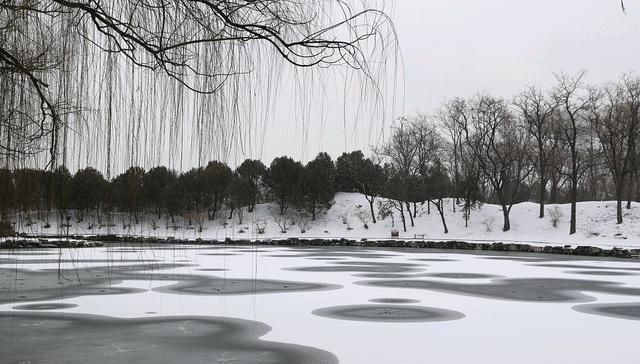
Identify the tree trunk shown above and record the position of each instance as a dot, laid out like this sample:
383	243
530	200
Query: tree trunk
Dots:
574	198
619	198
373	214
440	207
619	211
505	215
404	223
574	187
630	190
313	210
409	213
543	192
467	212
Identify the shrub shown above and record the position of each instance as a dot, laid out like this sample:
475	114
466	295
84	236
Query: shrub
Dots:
489	223
554	214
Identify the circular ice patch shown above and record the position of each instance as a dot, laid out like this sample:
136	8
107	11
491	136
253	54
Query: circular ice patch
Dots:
393	300
45	306
388	313
628	311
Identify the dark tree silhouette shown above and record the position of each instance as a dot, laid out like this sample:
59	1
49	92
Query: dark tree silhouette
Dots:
88	188
318	183
252	173
128	191
240	194
30	191
357	173
7	194
283	179
156	181
61	189
196	190
217	176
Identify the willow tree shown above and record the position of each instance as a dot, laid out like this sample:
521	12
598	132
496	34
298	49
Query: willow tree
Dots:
80	77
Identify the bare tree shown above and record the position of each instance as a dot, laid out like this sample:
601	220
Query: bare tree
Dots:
538	110
449	114
573	99
499	144
615	120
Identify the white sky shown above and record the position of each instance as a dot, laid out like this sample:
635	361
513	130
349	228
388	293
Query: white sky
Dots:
459	47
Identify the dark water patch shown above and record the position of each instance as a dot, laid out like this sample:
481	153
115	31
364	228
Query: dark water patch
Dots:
74	261
587	267
381	264
26	285
520	289
45	337
388	313
390	275
19	252
209	285
354	269
393	300
600	273
331	252
519	259
219	254
252	250
20	285
462	275
362	267
627	311
435	260
45	306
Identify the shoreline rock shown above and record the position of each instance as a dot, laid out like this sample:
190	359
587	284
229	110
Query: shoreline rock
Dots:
100	240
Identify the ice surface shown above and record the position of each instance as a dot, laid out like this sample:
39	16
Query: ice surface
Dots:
499	326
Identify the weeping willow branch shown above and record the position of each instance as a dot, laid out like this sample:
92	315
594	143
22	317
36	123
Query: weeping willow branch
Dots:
61	56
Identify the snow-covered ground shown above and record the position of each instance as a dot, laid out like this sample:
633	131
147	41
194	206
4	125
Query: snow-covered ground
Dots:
596	224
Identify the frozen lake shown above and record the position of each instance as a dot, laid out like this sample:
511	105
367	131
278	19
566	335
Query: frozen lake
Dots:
217	304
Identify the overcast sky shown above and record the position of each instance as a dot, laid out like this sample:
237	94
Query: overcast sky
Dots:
459	47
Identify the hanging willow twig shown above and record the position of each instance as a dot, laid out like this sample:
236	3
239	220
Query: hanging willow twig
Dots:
203	46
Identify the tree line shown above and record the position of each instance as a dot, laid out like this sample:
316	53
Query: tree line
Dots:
573	142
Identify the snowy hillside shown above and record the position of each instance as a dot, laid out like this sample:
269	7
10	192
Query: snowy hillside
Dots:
596	224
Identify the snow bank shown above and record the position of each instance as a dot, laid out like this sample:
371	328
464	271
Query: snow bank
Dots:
596	224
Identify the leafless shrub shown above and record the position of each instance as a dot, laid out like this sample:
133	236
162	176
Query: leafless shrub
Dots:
555	214
281	221
303	222
489	223
261	225
363	216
